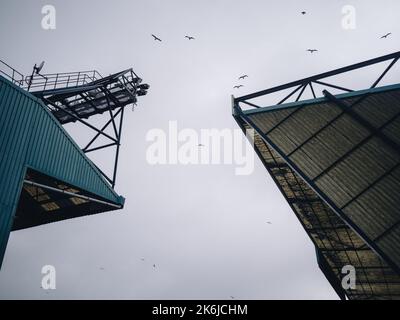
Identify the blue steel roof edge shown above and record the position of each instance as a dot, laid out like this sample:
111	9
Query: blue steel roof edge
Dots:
118	198
308	102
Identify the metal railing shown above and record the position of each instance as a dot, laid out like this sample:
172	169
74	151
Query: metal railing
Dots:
53	81
12	74
39	82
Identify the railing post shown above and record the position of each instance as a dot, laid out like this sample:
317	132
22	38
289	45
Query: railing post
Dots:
55	82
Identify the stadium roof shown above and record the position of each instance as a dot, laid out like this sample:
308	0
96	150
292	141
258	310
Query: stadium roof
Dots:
336	159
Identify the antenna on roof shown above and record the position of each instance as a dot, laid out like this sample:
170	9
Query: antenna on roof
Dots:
36	70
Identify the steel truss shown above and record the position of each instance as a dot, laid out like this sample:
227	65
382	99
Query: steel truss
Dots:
76	96
301	85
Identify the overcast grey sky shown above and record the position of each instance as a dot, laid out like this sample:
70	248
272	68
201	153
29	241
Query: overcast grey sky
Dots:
204	227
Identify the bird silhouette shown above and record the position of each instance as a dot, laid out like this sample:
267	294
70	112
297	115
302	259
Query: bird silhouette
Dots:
189	37
156	38
312	50
269	222
232	297
200	145
237	87
154	265
243	76
386	35
303	12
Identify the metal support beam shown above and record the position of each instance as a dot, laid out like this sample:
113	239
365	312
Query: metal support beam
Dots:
100	147
301	92
251	104
103	128
312	90
384	72
332	86
363	122
290	94
118	145
371	185
355	147
79	119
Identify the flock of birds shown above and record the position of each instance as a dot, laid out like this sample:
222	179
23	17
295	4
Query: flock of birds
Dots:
158	39
238	86
193	38
311	51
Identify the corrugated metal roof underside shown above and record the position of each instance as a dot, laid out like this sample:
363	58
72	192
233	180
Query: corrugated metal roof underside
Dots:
30	137
44	200
337	245
353	166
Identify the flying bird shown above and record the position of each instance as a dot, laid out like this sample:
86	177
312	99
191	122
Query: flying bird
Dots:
189	37
312	50
154	265
156	38
386	35
237	87
303	12
243	76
